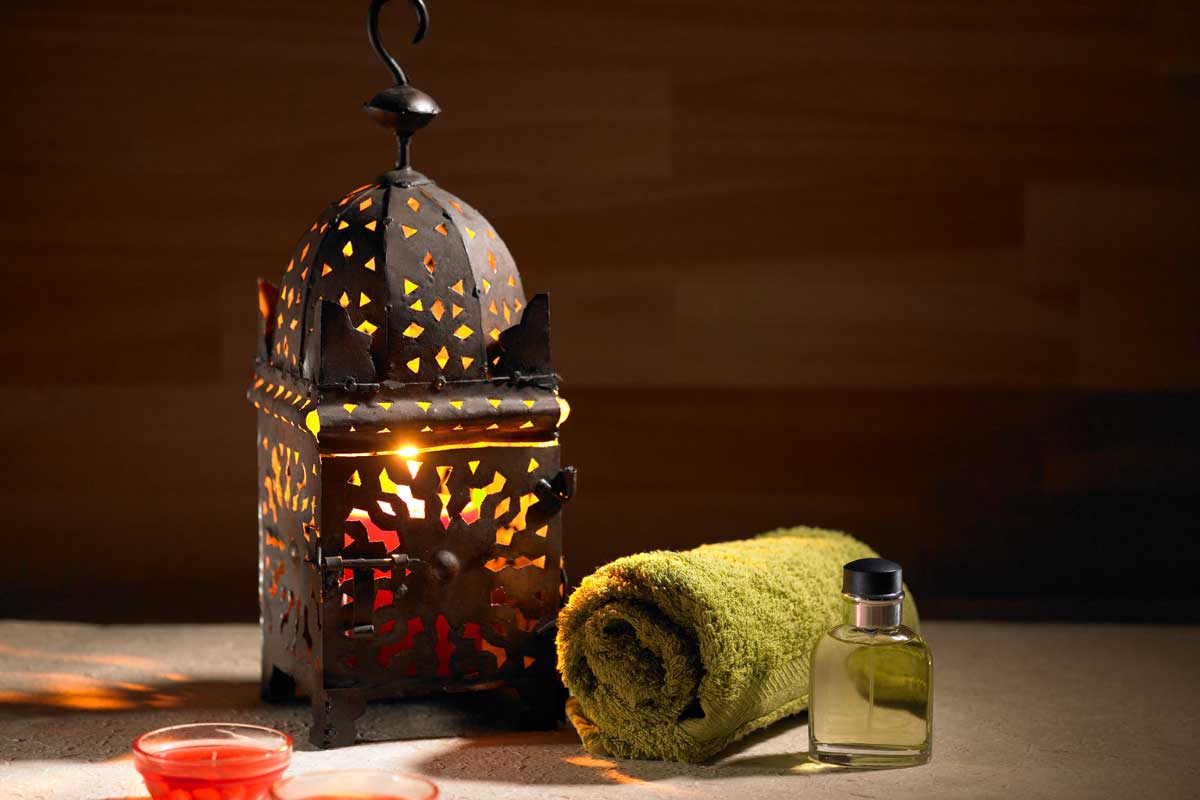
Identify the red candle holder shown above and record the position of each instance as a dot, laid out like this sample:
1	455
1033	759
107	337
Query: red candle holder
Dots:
354	784
217	761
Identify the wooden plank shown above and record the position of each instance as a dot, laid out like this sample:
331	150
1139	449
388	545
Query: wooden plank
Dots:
1107	235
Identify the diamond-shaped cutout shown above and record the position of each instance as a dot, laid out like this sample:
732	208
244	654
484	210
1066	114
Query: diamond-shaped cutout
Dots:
413	330
437	309
430	264
414	204
463	332
442	358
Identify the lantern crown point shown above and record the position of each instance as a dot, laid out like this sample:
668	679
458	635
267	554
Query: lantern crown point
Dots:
403	108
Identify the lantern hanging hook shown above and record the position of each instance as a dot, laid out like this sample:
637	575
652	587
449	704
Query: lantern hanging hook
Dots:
377	43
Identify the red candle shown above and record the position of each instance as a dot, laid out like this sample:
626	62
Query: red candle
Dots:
354	784
222	761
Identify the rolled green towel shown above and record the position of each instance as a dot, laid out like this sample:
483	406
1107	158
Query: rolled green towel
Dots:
675	655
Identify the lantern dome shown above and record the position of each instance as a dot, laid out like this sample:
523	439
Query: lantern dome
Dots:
406	281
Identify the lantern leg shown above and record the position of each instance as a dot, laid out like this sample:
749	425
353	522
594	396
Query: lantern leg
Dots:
541	691
277	685
543	703
334	715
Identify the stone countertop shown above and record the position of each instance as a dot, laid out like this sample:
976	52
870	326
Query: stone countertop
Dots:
1021	710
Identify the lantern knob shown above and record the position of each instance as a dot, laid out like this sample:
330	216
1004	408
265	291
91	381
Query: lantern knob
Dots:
446	565
403	108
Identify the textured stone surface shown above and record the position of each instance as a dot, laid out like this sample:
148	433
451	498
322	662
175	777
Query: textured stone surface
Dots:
1024	711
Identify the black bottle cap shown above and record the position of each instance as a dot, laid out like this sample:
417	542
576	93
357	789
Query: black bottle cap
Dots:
872	578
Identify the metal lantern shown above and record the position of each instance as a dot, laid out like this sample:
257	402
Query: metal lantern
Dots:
410	485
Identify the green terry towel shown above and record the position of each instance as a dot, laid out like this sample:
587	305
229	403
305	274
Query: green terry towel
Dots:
676	655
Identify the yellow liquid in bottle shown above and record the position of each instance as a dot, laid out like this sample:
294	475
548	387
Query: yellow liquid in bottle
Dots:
871	698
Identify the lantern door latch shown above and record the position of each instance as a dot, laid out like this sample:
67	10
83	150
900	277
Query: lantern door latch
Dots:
332	567
392	562
557	490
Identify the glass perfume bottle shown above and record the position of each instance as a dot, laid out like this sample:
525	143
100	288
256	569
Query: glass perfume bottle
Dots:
871	686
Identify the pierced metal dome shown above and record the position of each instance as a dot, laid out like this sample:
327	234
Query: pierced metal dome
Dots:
420	280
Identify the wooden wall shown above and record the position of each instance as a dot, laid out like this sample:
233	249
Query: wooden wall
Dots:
925	271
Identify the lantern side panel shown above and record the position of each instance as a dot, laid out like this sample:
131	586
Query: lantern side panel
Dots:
486	576
289	468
